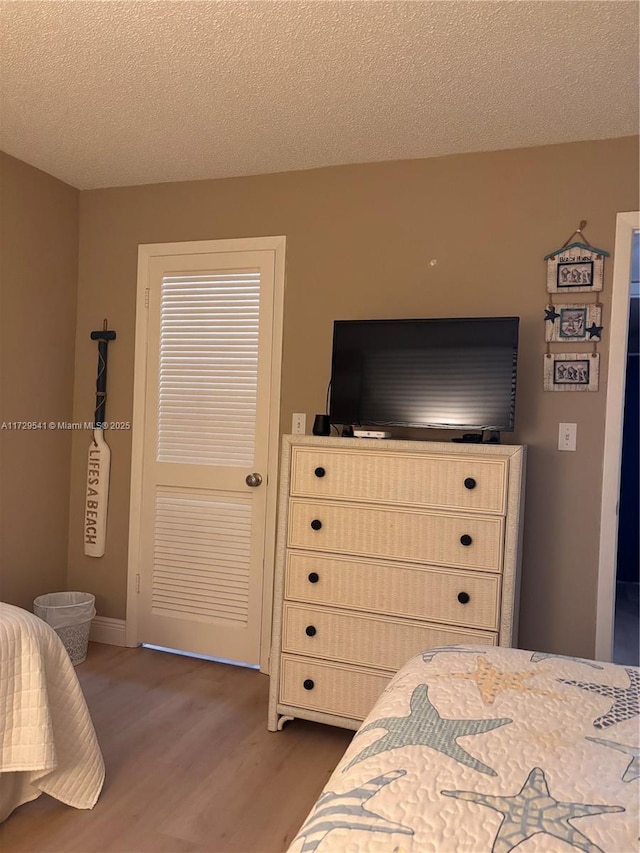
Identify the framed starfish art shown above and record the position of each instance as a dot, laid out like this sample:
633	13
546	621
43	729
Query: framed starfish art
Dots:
573	322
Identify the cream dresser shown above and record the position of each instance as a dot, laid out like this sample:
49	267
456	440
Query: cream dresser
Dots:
386	548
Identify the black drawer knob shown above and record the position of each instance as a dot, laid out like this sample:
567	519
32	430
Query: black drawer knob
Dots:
319	472
316	524
308	684
313	577
310	630
466	539
469	483
464	597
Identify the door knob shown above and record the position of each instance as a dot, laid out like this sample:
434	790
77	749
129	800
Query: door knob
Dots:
253	480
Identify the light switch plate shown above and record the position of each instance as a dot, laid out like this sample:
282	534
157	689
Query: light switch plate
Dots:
567	436
299	423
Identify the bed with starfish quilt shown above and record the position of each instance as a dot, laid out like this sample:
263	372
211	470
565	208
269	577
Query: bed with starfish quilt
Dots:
475	749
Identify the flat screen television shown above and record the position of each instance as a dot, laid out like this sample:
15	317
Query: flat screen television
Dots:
436	373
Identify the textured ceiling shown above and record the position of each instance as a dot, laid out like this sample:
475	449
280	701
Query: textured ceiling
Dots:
105	93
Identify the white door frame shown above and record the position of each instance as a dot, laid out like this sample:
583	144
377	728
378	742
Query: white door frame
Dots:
626	224
145	253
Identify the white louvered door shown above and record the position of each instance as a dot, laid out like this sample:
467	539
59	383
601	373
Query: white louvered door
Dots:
207	410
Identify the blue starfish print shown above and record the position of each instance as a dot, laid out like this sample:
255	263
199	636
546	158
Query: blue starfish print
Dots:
551	314
425	726
429	655
626	700
348	810
534	811
538	656
633	767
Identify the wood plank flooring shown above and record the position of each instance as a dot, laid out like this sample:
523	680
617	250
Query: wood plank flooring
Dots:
190	763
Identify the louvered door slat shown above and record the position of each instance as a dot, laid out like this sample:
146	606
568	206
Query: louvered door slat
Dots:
209	328
227	572
201	529
185	594
180	591
228	559
188	577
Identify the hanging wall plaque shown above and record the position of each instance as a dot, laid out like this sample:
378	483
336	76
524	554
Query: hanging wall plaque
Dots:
575	268
573	322
571	371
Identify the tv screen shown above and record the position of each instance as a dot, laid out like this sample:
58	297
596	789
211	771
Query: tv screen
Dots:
441	373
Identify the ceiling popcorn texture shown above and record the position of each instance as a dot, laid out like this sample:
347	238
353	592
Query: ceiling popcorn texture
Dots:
115	93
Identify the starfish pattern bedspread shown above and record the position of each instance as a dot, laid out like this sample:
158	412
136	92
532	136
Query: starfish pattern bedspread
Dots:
481	749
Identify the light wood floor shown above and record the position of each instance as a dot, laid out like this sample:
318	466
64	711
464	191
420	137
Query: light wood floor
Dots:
190	763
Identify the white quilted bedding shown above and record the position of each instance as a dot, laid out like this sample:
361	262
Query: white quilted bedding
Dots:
474	749
47	740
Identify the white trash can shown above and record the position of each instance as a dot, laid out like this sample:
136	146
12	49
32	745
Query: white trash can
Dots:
70	615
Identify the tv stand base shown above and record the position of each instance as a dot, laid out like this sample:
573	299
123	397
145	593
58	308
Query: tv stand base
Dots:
487	436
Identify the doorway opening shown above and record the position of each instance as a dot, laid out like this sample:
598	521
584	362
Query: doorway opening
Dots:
200	657
205	447
627	229
626	640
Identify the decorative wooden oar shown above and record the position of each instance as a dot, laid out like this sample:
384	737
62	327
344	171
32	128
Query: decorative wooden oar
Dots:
99	461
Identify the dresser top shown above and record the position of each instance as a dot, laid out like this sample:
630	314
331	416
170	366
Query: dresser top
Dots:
450	448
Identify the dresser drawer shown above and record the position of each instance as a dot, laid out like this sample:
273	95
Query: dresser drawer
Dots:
373	587
335	689
365	640
446	481
396	534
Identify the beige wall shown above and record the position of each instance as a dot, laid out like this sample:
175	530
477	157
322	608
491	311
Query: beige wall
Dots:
38	285
359	242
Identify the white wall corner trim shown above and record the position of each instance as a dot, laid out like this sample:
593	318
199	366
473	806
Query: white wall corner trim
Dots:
626	224
109	631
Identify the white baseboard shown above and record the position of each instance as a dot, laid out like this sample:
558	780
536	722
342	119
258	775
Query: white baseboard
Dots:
106	630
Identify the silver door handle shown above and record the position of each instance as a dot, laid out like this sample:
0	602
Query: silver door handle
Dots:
253	480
